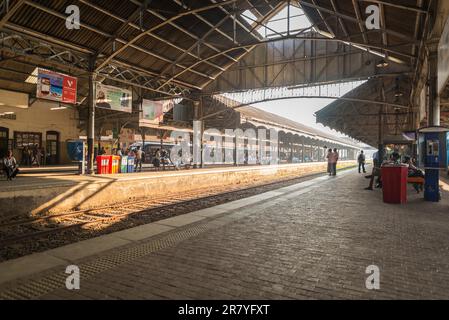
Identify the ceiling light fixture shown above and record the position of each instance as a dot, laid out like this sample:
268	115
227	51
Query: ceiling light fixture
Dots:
382	64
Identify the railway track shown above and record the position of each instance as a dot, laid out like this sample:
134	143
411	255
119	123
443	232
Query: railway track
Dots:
51	230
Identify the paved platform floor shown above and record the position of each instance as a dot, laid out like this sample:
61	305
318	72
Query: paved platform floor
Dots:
309	241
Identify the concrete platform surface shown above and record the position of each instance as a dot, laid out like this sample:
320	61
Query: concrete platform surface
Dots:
311	241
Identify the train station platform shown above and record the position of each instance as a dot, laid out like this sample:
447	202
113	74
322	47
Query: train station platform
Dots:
41	193
312	240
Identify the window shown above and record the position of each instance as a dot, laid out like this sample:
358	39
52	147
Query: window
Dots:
279	25
27	139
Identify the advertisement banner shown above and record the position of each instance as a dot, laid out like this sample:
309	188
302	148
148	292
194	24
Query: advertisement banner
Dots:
153	111
113	98
56	86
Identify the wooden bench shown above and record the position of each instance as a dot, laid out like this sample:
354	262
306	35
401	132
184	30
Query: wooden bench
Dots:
416	180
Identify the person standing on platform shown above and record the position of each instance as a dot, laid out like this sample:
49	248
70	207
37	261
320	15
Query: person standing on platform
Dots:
139	154
329	161
10	166
362	160
335	159
102	151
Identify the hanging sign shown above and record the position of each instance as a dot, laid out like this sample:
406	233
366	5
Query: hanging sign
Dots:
56	86
113	98
153	111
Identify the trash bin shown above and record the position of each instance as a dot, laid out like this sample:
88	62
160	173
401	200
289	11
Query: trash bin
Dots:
103	164
124	164
394	184
114	164
131	164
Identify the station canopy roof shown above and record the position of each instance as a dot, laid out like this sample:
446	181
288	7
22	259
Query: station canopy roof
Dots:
226	109
169	47
405	26
177	47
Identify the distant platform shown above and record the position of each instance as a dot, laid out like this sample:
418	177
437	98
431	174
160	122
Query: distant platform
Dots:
38	193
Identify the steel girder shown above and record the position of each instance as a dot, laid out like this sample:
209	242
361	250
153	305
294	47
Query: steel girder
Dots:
18	45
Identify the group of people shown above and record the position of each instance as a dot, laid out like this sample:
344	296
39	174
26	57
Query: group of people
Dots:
32	156
393	159
332	161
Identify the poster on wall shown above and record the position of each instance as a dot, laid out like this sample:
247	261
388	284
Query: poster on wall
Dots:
113	98
153	111
56	86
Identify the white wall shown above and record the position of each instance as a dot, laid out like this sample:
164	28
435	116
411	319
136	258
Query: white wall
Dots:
39	118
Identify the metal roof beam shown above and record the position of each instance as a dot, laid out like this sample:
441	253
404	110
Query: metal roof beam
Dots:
107	35
324	19
358	20
195	45
10	11
135	26
340	20
397	5
164	23
183	30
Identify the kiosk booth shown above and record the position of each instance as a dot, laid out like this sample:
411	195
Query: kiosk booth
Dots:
433	151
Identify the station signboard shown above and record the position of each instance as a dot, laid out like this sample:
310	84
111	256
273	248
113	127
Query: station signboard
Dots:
153	111
56	86
113	98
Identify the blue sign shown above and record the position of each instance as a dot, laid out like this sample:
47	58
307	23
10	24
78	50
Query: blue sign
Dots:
75	150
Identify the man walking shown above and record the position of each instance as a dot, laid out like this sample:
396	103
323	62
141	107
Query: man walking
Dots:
362	160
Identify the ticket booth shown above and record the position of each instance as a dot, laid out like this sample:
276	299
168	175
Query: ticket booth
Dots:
433	149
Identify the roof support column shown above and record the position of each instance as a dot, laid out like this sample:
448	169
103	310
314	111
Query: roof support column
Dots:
198	132
381	127
91	121
434	98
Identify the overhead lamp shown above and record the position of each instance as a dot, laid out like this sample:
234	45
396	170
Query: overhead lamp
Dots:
58	108
382	64
397	90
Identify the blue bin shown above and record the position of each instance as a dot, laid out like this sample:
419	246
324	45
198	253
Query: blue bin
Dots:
131	164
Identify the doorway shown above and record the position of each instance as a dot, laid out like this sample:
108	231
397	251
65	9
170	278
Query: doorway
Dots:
4	141
52	150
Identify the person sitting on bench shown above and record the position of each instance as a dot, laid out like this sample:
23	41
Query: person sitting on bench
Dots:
10	166
376	173
414	172
377	170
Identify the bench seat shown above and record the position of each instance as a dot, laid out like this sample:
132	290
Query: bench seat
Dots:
416	180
